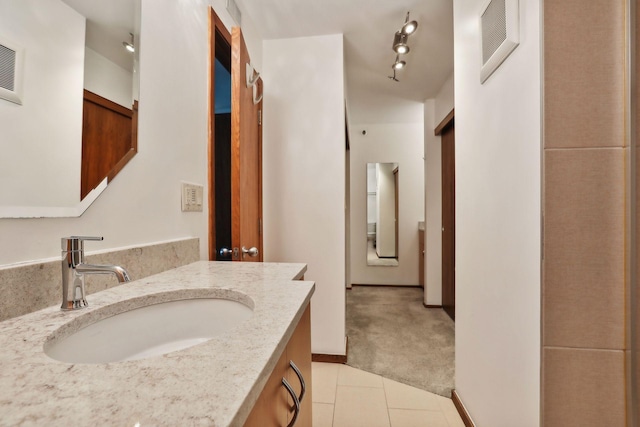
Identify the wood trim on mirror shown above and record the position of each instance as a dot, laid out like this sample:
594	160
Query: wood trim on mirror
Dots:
109	139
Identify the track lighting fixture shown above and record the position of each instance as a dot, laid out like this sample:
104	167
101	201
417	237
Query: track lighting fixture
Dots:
409	27
398	65
400	44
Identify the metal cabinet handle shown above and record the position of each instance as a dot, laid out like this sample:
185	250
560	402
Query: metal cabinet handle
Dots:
296	402
251	251
303	387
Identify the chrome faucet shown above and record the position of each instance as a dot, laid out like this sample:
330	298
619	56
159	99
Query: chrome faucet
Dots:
74	268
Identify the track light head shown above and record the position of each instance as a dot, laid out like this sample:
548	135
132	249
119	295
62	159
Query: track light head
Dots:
400	43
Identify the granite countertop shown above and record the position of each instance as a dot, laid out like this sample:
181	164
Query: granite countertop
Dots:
215	383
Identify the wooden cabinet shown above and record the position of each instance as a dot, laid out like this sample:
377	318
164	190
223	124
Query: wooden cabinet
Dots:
421	255
275	407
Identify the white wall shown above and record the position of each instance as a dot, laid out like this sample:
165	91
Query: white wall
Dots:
304	173
498	224
41	139
108	79
433	208
435	110
142	204
444	100
400	143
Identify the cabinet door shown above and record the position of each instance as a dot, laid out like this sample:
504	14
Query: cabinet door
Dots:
299	351
274	407
271	407
421	258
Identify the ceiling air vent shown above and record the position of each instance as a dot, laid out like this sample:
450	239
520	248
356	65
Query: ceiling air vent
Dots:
10	72
500	34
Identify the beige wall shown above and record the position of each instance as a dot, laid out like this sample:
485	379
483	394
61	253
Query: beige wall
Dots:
583	307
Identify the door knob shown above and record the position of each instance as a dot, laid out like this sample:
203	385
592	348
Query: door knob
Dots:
251	251
225	252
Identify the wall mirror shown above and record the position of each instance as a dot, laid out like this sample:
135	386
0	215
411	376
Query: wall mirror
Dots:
75	64
382	214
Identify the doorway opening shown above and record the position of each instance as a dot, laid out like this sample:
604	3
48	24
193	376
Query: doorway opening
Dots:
220	141
235	147
222	146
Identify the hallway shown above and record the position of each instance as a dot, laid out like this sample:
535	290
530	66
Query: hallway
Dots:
392	334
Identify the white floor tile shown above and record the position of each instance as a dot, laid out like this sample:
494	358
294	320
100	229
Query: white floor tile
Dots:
402	396
360	407
355	377
414	418
451	413
347	397
322	415
324	381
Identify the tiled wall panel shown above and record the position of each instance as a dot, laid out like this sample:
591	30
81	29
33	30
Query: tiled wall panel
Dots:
584	194
583	295
583	388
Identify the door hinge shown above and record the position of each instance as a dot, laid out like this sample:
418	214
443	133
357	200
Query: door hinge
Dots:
260	117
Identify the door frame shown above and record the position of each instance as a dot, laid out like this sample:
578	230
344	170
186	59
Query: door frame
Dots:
217	33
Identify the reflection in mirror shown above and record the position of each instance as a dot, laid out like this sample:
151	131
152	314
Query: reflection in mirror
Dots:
382	214
70	48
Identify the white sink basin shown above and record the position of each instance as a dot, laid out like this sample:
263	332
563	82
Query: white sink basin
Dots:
148	331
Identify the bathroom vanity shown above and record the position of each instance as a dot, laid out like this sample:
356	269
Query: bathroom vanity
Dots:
233	378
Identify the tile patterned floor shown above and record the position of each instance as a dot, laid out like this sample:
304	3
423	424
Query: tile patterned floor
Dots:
347	397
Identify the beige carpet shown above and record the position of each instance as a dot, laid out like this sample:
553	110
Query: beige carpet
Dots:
392	334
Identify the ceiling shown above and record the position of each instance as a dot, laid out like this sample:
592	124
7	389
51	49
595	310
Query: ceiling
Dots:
368	27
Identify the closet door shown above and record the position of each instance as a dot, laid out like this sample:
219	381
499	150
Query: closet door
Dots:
448	221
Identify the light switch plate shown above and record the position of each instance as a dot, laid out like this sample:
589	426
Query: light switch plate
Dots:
192	197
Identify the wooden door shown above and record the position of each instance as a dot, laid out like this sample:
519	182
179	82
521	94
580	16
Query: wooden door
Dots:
448	218
396	187
246	182
235	153
421	258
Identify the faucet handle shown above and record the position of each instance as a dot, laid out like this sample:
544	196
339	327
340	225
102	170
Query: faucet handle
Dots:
87	237
75	243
